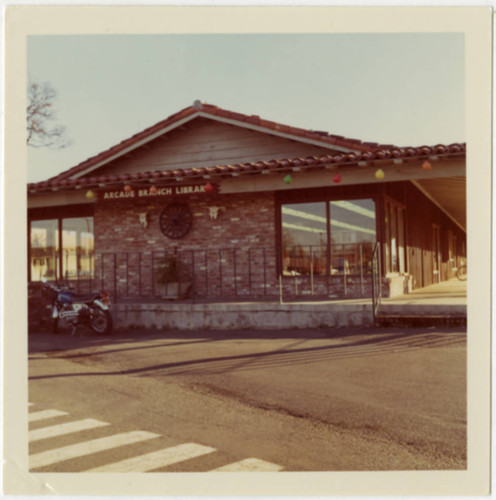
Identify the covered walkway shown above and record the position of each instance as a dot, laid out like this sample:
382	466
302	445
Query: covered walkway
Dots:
452	292
446	300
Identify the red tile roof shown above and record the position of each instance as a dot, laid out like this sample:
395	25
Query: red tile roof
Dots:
271	166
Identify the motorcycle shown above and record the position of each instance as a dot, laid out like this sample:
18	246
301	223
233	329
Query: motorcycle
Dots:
79	310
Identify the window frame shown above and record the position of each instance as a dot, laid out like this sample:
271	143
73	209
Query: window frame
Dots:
58	213
326	198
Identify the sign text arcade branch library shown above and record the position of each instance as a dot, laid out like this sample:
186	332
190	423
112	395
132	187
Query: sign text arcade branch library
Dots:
214	205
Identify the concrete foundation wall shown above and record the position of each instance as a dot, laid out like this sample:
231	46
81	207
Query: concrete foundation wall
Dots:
240	316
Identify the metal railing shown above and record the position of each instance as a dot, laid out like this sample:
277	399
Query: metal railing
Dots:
291	272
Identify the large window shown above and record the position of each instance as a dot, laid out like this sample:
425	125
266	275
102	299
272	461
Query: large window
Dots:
353	235
77	247
334	237
304	238
61	249
44	252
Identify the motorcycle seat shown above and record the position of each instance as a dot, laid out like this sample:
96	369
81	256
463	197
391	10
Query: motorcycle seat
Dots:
85	298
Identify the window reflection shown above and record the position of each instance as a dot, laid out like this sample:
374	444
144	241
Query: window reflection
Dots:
76	255
44	240
304	238
351	225
78	247
353	234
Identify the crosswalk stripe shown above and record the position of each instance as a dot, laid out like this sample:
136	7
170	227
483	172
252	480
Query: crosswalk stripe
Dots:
156	459
41	415
87	448
249	465
61	429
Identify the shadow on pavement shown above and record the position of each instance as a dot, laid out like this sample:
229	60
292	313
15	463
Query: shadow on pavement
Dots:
349	344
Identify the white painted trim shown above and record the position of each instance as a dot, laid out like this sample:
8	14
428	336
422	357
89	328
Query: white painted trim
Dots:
426	193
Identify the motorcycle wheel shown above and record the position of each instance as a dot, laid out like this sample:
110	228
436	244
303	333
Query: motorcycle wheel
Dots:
100	321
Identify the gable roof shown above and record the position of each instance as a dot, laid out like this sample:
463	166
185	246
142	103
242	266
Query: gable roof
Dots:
351	152
199	109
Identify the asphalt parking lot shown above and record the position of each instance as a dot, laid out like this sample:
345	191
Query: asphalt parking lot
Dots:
402	387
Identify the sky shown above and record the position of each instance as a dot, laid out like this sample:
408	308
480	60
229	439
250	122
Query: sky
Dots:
403	89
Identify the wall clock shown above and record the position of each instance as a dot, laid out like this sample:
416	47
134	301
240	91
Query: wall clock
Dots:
175	220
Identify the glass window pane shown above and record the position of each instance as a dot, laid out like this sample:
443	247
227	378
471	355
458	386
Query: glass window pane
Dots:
44	241
353	235
77	248
304	238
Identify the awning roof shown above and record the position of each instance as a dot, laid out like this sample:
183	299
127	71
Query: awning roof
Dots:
449	194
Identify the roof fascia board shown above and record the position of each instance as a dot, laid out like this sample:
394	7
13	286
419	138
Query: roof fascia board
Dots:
428	195
284	135
135	145
58	198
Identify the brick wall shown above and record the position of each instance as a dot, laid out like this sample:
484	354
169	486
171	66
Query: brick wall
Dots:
245	222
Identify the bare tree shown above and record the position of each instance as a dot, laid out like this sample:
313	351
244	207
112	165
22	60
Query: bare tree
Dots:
40	112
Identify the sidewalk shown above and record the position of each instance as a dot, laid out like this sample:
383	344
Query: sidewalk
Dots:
446	299
452	292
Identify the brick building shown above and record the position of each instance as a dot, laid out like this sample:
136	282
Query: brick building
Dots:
237	207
